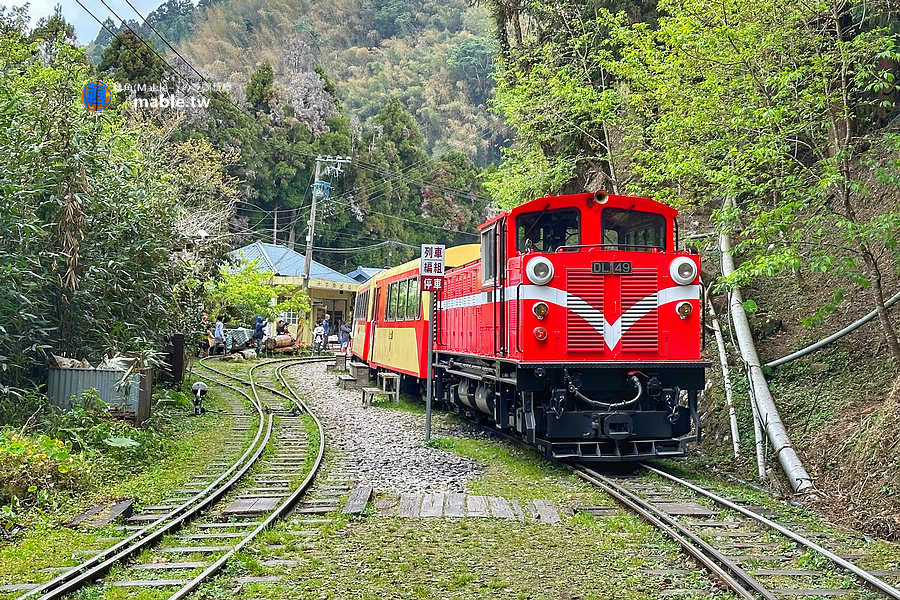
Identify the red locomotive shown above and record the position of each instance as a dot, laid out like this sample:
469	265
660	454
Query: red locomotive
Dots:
575	325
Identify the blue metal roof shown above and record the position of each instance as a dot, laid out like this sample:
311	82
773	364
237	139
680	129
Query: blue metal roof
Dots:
284	262
363	274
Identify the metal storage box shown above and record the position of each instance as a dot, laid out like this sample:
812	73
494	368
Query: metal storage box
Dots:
65	383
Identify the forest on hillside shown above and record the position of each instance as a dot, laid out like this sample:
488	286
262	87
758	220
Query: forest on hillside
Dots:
436	57
401	86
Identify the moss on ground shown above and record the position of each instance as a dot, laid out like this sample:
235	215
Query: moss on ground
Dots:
377	558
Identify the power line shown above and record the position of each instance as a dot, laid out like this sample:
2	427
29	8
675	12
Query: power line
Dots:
365	248
152	28
142	40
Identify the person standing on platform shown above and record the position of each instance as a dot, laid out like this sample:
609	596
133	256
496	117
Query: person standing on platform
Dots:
326	325
259	333
344	336
219	336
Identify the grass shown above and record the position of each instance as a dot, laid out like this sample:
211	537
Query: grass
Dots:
475	558
387	557
409	404
47	543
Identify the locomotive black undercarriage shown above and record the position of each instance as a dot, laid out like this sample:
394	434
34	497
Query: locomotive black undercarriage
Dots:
592	412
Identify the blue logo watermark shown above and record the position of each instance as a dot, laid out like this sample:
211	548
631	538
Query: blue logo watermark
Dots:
95	95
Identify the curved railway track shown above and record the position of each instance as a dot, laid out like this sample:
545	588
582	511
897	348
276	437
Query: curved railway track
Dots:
202	500
708	531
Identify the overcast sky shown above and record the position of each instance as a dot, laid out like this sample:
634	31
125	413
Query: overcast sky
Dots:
86	27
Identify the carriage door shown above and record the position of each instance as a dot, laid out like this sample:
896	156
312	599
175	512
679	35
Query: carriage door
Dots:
376	289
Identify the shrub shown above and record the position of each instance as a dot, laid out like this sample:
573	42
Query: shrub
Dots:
111	446
32	467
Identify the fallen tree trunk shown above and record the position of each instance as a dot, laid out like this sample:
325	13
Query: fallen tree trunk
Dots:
760	394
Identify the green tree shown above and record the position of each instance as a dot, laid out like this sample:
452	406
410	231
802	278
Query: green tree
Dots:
794	143
243	292
128	59
91	218
260	89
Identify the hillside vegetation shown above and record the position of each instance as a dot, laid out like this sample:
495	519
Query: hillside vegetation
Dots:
436	57
790	110
402	87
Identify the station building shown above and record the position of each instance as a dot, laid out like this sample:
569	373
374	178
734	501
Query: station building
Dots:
329	291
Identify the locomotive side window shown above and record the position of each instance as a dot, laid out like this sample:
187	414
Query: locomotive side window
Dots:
547	230
633	230
488	256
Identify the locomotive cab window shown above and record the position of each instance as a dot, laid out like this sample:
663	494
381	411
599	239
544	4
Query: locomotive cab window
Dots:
633	230
488	256
547	230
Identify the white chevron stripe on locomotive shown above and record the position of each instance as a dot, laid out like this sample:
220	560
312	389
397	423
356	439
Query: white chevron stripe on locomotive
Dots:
612	332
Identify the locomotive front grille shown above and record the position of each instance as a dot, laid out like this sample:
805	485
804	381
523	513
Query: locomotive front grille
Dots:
584	317
640	321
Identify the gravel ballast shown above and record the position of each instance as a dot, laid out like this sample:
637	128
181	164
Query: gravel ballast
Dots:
386	445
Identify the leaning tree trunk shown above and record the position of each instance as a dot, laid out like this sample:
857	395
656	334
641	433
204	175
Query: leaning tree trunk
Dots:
887	327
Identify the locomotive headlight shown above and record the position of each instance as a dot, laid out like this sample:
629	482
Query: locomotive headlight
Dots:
539	270
683	270
540	309
684	309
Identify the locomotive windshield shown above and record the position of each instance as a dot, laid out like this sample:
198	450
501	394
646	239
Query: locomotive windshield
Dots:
633	230
547	230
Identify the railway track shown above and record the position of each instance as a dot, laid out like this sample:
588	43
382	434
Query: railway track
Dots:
219	509
746	550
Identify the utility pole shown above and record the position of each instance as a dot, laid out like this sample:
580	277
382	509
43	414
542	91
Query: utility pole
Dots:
321	191
275	228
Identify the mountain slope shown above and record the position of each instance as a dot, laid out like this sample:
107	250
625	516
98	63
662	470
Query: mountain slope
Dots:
436	57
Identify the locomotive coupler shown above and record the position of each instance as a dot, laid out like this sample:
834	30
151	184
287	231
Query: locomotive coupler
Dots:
670	397
558	401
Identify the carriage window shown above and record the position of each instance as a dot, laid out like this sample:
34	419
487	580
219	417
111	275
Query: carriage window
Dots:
633	230
488	256
400	313
412	299
362	303
547	230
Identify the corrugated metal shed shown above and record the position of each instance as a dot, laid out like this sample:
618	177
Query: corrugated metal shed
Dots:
284	262
65	383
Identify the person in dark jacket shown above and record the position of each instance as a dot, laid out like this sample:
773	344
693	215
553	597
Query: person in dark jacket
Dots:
344	336
258	334
282	328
